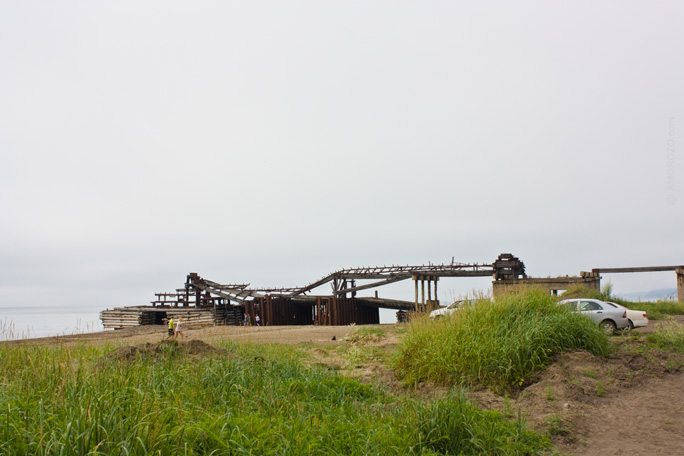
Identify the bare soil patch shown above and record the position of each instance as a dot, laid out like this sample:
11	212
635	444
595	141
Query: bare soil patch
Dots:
131	352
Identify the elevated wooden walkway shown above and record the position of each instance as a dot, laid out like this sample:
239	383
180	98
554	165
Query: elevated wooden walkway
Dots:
202	301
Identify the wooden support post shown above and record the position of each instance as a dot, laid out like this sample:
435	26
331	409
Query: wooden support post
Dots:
415	282
187	290
317	317
422	293
429	288
680	284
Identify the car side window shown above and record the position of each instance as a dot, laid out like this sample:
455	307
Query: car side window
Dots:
571	305
589	305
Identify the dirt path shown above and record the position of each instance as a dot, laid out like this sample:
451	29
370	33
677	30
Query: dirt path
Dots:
321	335
647	421
653	421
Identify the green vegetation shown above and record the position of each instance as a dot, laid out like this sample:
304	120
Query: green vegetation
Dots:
237	400
550	393
589	293
364	334
669	335
600	389
556	426
657	310
500	344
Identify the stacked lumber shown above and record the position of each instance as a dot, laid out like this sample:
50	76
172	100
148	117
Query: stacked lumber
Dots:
227	314
220	315
402	316
121	317
192	316
235	315
125	317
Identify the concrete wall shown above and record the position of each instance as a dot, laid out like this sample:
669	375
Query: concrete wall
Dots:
552	284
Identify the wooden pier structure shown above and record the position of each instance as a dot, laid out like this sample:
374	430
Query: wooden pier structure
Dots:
202	301
678	270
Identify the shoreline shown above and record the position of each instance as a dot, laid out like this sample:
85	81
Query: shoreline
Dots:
207	333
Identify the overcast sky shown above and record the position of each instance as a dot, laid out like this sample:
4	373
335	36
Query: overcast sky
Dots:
274	142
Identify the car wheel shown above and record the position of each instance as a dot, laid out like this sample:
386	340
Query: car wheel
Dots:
630	325
608	327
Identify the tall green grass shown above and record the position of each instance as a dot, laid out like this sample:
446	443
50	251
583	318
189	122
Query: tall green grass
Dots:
258	400
668	335
500	344
580	291
658	310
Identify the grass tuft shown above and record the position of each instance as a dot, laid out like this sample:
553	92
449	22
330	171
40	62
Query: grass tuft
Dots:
501	344
668	335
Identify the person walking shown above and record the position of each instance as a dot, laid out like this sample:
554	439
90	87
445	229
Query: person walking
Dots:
170	336
178	330
246	320
257	320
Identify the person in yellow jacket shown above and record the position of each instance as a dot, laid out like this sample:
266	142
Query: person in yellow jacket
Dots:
170	328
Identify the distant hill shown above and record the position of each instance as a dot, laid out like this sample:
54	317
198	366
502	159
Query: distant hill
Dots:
653	295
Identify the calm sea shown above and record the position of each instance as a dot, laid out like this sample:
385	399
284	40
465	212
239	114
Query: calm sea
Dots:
44	321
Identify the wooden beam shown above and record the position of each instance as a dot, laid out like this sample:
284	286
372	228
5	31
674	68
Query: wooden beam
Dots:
314	285
643	269
415	281
374	284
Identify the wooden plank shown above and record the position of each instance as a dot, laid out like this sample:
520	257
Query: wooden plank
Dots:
374	284
639	269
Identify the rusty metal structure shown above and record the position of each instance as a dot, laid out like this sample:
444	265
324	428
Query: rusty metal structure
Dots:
202	301
296	306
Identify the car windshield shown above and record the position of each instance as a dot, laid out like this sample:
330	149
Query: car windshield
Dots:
455	305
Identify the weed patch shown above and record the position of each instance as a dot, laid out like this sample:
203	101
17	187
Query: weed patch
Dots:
501	344
668	335
226	400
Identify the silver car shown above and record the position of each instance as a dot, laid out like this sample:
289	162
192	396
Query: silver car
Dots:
608	317
636	318
448	310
